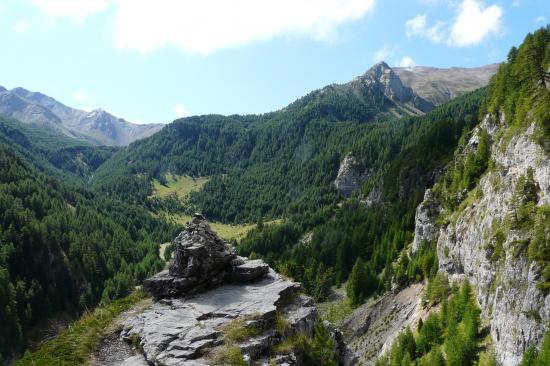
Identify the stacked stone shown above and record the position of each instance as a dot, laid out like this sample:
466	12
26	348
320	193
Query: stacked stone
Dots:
202	260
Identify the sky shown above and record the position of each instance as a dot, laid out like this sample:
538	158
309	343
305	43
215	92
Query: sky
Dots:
157	60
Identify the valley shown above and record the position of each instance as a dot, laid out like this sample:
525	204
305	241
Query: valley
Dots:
401	218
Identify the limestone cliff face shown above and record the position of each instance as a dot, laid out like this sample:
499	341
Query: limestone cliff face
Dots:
349	178
425	228
506	286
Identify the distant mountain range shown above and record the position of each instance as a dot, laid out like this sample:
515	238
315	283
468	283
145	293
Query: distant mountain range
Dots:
97	127
438	86
402	91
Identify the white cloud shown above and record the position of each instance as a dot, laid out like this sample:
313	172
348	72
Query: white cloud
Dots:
80	95
417	27
21	26
181	111
203	27
540	19
75	9
383	54
406	61
473	23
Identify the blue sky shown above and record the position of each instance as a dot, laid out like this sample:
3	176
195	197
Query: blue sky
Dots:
152	61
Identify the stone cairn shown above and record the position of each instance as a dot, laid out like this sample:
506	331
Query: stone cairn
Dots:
202	260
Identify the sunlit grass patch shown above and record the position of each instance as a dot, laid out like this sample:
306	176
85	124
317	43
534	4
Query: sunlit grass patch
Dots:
180	185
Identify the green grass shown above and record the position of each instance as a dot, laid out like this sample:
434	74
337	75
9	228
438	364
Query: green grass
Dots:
75	344
234	332
180	185
225	231
237	330
228	356
335	311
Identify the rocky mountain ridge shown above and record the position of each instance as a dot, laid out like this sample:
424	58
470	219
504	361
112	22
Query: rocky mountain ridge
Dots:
97	127
383	78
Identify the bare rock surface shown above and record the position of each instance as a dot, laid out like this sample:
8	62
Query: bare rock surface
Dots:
439	85
173	330
348	178
425	228
371	329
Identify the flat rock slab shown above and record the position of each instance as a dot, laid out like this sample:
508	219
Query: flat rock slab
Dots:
180	331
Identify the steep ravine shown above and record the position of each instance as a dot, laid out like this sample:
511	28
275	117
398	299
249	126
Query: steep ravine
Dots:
506	284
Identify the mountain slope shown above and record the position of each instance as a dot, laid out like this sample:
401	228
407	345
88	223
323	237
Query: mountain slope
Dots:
441	85
485	222
262	164
97	127
63	249
52	152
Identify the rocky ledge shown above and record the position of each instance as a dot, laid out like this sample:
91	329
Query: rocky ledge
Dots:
211	303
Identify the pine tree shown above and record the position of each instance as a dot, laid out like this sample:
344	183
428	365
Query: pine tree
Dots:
356	283
320	351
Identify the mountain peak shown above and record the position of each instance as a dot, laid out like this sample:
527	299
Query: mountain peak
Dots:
382	77
381	65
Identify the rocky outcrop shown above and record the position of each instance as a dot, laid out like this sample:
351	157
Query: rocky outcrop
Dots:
348	178
182	331
208	290
506	285
425	227
383	78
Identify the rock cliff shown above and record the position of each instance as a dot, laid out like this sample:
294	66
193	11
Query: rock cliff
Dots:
349	177
212	304
476	242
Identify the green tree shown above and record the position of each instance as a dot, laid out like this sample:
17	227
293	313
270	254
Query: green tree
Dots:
362	282
320	350
430	335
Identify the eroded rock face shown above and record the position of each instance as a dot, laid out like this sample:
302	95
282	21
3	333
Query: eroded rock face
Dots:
384	78
425	228
506	286
349	178
202	260
372	328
